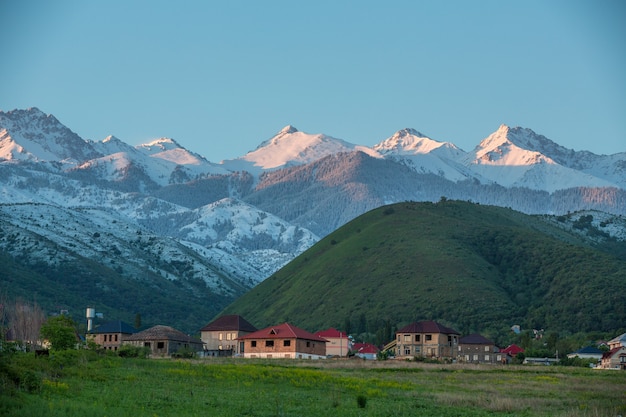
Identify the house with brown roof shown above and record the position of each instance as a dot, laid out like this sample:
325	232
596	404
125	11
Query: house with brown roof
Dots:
110	335
475	348
427	339
220	336
338	342
163	341
283	341
614	358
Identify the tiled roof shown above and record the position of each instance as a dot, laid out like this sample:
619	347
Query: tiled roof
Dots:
512	350
229	322
589	350
427	327
283	331
163	333
475	339
331	333
365	348
114	327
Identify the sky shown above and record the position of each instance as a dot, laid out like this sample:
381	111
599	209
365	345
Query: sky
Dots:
221	77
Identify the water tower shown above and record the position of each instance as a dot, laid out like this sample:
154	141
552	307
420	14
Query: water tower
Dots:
91	313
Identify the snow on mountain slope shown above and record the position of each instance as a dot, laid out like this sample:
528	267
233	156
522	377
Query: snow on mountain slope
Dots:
505	158
53	235
239	230
163	161
424	155
291	147
31	135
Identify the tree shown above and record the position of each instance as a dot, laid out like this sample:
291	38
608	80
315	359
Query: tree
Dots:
60	332
137	321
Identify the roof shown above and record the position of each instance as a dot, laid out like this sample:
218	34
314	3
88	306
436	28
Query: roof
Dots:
283	331
589	350
114	327
229	322
512	350
612	352
333	333
365	348
163	333
427	327
475	339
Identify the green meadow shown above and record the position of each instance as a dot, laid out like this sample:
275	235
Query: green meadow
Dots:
82	383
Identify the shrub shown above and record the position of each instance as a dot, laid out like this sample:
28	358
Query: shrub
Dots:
361	401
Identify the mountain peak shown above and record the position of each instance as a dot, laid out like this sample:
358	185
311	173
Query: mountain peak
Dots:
288	129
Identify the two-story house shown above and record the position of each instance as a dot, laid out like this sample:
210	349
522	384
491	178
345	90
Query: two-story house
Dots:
220	336
427	339
110	335
283	341
476	348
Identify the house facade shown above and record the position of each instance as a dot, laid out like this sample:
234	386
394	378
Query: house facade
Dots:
476	348
283	341
111	335
164	341
366	351
220	336
614	359
427	339
338	342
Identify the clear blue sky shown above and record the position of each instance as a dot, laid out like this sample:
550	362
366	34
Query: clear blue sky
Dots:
222	76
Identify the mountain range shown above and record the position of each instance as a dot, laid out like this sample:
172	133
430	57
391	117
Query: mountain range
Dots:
168	215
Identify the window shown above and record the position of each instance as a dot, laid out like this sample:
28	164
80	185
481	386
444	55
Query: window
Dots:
308	344
146	344
286	343
418	337
475	357
429	337
227	336
116	338
486	358
417	350
220	336
253	343
398	338
269	343
407	350
160	345
486	348
407	337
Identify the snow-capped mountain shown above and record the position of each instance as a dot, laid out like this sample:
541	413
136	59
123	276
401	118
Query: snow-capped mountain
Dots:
165	211
30	135
510	157
291	147
424	155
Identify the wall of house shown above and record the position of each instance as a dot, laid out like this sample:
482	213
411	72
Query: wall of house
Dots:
284	348
430	345
108	341
221	340
337	346
474	353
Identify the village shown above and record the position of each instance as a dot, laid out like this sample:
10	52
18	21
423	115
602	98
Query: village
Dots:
234	336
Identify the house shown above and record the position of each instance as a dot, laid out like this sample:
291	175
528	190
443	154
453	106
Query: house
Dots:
614	359
476	348
338	342
220	336
426	339
588	352
283	341
365	351
512	351
164	341
110	335
617	341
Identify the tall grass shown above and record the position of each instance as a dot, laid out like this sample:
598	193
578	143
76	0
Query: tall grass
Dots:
80	384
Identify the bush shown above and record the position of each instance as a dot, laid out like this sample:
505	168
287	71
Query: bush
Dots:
130	351
361	401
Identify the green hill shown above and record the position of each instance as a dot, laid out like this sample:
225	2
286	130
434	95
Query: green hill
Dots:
473	267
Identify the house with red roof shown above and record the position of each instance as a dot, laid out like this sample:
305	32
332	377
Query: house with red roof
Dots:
427	339
338	342
365	351
220	336
283	341
512	350
614	358
475	348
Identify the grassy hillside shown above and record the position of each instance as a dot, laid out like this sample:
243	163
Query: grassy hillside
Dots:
473	267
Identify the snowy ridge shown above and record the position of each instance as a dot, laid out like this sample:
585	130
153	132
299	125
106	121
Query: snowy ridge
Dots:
291	147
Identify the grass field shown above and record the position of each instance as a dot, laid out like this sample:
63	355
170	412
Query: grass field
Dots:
83	384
